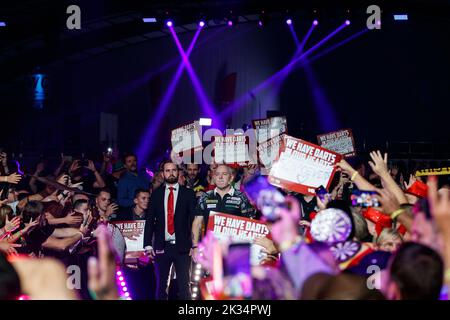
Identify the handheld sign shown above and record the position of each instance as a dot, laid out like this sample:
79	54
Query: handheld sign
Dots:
269	134
341	141
187	138
227	227
266	129
231	149
133	232
302	166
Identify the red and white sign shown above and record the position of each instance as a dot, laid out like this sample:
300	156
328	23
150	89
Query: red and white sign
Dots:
235	229
302	166
341	141
133	232
231	149
187	138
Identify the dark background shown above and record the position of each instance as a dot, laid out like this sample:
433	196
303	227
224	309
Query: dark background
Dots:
389	85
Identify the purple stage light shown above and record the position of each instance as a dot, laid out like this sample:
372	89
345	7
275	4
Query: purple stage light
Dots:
230	23
201	24
204	101
315	22
277	75
169	23
289	21
260	23
347	22
335	46
147	139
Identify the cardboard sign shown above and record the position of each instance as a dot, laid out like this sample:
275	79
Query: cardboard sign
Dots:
303	166
340	141
269	151
266	129
227	227
187	138
132	229
231	149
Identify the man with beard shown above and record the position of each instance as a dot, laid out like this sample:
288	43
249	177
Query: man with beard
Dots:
170	214
193	179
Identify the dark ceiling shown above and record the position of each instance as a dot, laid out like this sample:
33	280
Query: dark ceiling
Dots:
36	32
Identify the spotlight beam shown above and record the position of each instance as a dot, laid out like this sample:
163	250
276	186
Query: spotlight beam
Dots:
335	46
247	97
305	39
204	101
153	127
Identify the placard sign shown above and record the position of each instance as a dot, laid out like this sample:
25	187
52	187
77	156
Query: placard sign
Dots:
231	149
187	138
266	129
341	141
227	227
133	232
302	166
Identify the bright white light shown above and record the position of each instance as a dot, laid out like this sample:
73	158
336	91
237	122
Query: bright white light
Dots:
196	278
194	295
198	266
205	122
194	289
198	272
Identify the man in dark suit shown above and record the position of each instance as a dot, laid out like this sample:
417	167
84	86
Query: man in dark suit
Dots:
168	225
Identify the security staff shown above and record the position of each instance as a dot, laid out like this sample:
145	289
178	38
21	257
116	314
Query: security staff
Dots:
224	198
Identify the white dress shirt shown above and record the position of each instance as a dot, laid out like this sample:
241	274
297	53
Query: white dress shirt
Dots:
176	187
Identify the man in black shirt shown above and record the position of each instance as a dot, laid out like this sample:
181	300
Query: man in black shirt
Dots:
224	198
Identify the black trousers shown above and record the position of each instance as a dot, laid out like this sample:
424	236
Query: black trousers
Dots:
182	263
141	282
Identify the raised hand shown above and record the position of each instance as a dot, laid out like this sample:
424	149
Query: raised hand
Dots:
30	225
102	271
345	167
91	166
14	178
388	201
12	225
411	181
112	207
74	166
73	218
64	179
379	163
9	248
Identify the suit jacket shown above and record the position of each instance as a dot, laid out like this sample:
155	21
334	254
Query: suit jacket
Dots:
155	224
